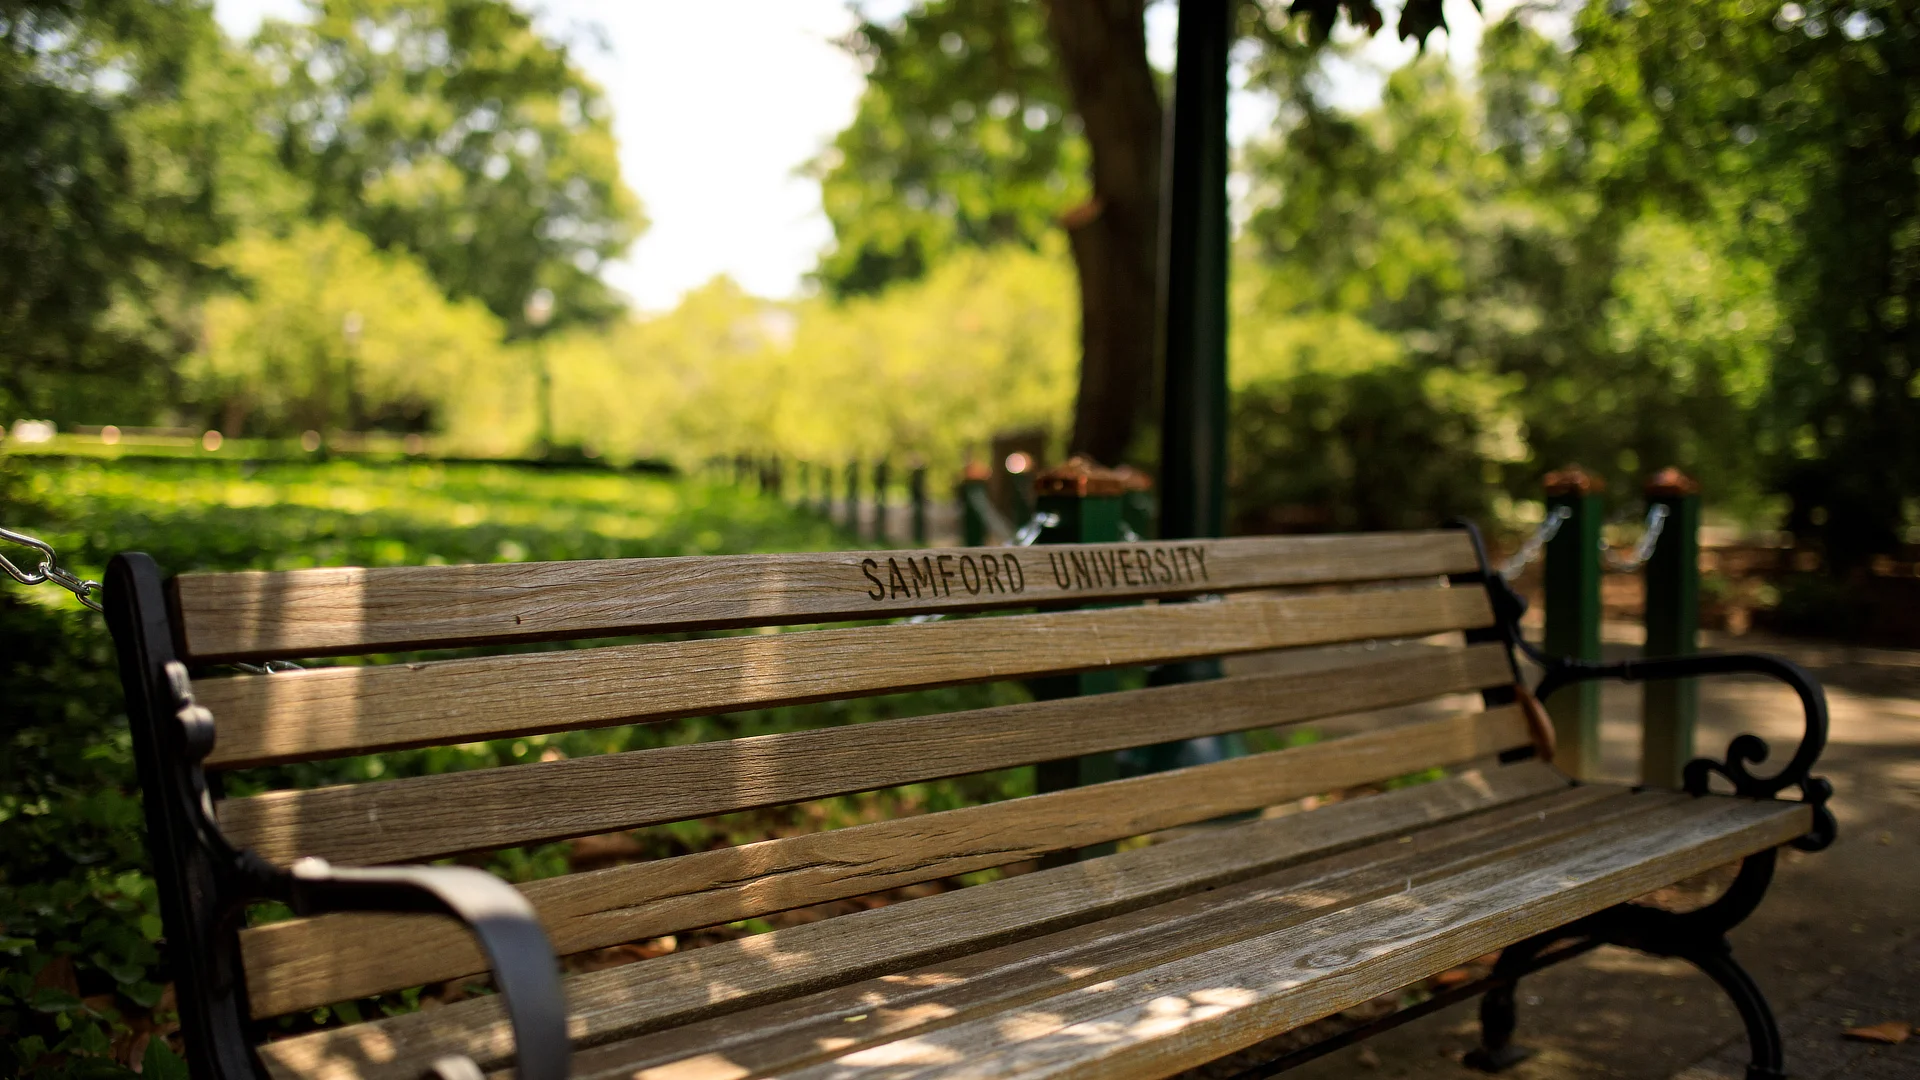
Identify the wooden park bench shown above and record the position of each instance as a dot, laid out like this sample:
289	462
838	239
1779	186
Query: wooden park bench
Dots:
1164	954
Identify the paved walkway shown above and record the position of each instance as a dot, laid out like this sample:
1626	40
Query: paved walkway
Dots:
1836	944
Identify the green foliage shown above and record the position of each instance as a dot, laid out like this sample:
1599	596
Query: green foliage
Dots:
451	129
149	164
1334	425
122	161
1791	129
964	138
82	960
332	333
931	368
1491	238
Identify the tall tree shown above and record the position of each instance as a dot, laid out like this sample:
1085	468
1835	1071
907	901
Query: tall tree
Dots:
1102	46
453	130
111	139
998	122
965	137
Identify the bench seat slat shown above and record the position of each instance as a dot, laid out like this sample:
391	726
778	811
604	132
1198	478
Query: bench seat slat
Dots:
725	978
1516	884
262	719
314	962
1177	1015
260	615
798	1032
504	807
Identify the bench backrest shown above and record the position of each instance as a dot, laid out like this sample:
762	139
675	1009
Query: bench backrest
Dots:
1151	603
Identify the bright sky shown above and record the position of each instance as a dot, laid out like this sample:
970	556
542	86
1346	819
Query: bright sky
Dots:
716	106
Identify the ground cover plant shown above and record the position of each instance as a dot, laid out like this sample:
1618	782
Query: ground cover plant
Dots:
83	985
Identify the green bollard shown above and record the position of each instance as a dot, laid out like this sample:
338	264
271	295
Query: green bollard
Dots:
880	504
1088	501
853	498
917	494
1673	625
973	504
1137	509
1573	616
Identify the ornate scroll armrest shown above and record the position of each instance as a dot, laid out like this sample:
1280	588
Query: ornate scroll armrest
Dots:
1743	750
524	966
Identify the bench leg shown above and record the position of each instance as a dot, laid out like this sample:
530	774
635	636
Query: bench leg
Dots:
1766	1059
1499	1012
1498	1052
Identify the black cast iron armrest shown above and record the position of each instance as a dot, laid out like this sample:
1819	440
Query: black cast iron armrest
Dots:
1744	749
524	967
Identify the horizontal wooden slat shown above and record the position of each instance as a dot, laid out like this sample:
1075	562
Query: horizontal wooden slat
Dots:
801	1031
1173	1016
733	975
525	804
261	719
313	962
256	615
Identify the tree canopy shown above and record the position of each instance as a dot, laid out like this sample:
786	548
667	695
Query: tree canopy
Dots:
452	130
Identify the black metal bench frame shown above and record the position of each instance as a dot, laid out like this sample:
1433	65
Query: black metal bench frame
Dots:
206	884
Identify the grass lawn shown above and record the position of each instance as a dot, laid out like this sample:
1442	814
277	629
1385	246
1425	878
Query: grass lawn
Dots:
83	983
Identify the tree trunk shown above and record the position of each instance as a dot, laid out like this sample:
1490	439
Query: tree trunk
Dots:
1115	236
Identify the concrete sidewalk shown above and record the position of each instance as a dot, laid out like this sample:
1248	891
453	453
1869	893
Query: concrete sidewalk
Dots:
1836	943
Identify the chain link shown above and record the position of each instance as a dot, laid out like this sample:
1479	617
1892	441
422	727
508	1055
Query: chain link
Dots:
49	570
1028	533
1529	551
1656	524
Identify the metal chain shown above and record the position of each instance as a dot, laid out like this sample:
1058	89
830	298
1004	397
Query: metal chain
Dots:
49	570
1028	533
1656	523
271	667
1529	551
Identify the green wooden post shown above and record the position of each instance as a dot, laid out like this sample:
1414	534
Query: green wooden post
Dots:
917	493
1087	499
973	504
1137	510
880	479
1673	623
853	498
1573	615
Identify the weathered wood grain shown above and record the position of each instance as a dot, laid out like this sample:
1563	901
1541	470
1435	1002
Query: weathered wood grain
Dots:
1172	1016
313	962
262	719
799	1031
431	816
731	977
256	615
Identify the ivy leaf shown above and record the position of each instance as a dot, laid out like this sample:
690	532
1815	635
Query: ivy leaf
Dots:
144	994
1322	13
161	1063
1420	18
48	999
